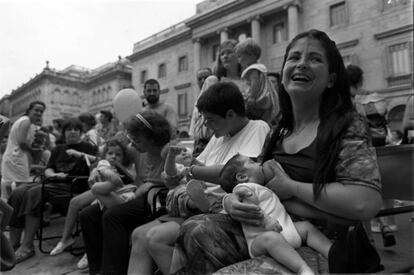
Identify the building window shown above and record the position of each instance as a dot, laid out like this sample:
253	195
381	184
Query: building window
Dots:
182	105
162	72
338	14
143	76
400	64
279	33
182	64
391	4
215	52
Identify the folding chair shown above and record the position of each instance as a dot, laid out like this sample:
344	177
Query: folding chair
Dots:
78	184
396	165
156	198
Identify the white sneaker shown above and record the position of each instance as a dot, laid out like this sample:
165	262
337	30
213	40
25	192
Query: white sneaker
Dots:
60	247
83	262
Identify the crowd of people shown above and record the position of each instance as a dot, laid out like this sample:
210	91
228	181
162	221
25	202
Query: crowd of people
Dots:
280	161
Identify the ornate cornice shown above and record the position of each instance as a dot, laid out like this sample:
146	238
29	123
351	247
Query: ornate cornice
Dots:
347	44
400	30
160	45
218	12
182	86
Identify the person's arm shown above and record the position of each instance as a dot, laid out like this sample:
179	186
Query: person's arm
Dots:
50	173
23	139
170	167
73	152
254	89
206	173
124	171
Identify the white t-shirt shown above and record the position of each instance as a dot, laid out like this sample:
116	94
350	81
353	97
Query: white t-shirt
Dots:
15	163
248	142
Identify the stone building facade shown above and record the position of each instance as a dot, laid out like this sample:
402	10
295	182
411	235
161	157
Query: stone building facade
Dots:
69	92
376	35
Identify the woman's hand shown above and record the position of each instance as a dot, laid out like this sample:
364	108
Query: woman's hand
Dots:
281	184
73	152
243	212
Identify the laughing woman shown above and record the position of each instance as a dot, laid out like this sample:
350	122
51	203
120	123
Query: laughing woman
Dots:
330	174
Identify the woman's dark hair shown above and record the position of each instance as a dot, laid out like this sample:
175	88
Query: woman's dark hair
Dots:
88	119
335	113
221	97
117	142
159	131
355	75
33	103
71	123
220	71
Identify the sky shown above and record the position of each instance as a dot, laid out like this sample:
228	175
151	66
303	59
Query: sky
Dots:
87	33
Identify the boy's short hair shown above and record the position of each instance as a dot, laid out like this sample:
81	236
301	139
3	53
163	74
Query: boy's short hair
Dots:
249	46
71	123
220	98
227	177
355	75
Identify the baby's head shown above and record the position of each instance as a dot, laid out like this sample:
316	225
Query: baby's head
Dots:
116	151
185	157
240	169
248	52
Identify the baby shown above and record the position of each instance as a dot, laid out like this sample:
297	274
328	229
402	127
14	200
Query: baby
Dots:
278	235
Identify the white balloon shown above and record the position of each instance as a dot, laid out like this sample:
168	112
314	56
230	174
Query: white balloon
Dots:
126	103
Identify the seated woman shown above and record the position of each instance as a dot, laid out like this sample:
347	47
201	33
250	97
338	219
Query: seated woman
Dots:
66	160
328	165
106	232
115	154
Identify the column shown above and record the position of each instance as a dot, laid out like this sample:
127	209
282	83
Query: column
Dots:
197	54
224	35
255	28
293	19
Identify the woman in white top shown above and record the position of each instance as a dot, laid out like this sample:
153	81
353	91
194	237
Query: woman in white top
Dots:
15	163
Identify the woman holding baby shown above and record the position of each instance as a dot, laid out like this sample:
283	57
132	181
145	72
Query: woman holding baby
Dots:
329	173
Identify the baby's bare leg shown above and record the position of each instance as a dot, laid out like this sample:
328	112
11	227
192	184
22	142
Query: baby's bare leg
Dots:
275	244
313	237
161	244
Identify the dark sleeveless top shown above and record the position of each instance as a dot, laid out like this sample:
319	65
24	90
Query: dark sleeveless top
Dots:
299	166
